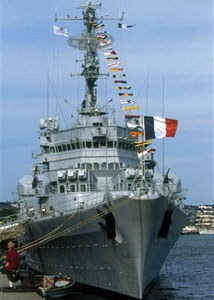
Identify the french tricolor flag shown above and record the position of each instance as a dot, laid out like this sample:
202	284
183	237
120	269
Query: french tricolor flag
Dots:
157	127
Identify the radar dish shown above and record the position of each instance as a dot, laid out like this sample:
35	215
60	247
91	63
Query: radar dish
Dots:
92	4
87	42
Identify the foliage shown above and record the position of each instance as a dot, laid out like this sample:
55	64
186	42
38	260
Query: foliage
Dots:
8	211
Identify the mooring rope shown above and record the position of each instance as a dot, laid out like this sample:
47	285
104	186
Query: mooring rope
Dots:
74	227
46	236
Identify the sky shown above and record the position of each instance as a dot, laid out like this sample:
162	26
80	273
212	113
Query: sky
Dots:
172	39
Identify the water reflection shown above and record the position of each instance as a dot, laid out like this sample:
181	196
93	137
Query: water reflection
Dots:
162	290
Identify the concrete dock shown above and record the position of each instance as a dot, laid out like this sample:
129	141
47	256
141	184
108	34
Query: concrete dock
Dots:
14	295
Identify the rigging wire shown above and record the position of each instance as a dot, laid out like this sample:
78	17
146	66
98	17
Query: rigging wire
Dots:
147	91
50	83
141	88
106	93
48	96
77	84
76	226
43	238
58	105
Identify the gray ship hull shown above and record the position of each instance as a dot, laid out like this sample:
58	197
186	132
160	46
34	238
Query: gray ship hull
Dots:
126	264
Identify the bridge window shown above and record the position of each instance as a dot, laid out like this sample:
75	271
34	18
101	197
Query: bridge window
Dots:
52	150
96	144
61	189
103	166
92	187
88	144
82	188
73	146
45	149
116	166
69	147
72	188
96	166
89	166
110	144
116	187
103	143
111	166
129	186
53	187
59	148
97	124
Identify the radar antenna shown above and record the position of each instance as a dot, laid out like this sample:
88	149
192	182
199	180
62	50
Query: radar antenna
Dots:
89	44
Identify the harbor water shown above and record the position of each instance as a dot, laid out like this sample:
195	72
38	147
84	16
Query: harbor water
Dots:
188	273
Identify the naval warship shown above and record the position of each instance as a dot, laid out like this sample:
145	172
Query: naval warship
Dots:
95	207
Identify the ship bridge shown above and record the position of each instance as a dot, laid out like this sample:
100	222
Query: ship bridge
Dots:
95	143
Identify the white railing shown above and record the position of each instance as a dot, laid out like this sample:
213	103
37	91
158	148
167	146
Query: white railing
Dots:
85	201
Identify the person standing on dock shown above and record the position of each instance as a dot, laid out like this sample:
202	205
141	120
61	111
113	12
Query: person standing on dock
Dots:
12	261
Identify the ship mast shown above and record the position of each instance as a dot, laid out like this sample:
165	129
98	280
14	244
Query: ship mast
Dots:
91	61
88	42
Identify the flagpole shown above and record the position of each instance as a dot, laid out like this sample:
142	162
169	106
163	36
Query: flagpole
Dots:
147	91
55	14
163	113
143	149
48	96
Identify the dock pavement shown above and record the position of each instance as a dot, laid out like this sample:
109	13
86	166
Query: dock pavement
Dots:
14	295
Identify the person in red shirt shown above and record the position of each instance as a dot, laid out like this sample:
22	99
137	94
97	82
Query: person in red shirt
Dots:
12	260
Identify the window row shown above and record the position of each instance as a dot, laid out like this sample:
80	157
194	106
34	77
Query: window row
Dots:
101	166
62	188
89	145
126	186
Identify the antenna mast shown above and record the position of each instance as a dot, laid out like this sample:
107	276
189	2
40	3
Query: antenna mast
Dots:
89	44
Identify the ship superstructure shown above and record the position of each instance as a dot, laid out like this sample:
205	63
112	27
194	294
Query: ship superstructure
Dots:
95	211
